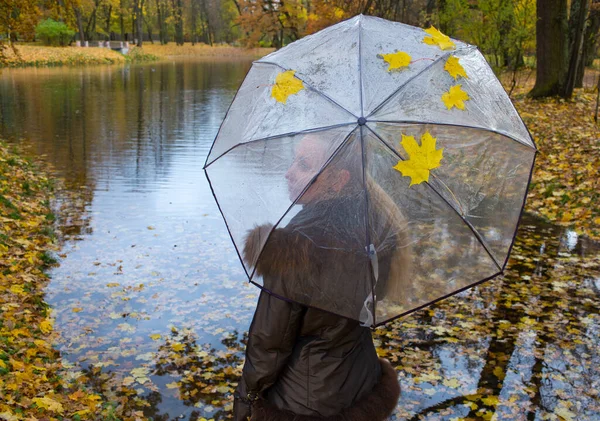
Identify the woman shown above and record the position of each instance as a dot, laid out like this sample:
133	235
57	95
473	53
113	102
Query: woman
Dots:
303	363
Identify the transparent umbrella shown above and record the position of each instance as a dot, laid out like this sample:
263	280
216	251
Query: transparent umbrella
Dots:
371	169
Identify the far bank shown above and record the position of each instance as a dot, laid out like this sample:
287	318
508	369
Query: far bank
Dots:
44	56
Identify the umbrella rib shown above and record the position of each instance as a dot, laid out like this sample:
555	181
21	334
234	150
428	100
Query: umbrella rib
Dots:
467	223
385	101
310	183
360	79
454	125
311	87
367	235
289	134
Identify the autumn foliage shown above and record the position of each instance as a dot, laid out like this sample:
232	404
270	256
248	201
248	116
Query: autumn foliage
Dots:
30	368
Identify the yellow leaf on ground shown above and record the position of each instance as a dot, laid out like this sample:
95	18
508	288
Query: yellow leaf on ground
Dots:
49	404
172	385
285	85
17	289
453	383
472	405
77	309
421	158
47	326
439	39
565	414
455	68
7	416
455	97
178	347
396	60
491	400
498	372
155	336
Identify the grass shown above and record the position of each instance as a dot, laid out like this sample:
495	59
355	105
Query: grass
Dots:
171	50
42	56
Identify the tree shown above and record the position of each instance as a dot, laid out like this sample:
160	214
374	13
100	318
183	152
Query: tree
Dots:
54	33
272	22
18	18
138	6
579	12
552	47
178	19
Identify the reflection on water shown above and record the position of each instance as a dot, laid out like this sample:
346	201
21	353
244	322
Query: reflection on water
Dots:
150	300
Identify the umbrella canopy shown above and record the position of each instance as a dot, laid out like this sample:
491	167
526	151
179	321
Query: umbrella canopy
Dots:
371	169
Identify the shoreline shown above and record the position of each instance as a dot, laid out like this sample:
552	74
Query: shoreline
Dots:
45	56
32	377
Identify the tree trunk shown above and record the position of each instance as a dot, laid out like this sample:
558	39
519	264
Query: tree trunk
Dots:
149	28
161	28
177	14
551	49
138	6
579	9
79	23
429	12
194	18
208	23
592	33
179	27
122	21
108	17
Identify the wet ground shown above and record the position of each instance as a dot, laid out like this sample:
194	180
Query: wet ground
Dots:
150	299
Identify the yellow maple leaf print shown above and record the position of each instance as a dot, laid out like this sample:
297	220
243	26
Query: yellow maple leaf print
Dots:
285	85
439	39
396	60
421	160
455	97
455	68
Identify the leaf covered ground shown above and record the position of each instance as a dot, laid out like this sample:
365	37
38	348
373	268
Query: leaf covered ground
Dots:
39	56
31	381
565	186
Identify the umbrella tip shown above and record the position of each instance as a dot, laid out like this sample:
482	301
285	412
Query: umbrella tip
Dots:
362	121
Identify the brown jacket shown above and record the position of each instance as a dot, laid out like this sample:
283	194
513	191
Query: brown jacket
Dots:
304	363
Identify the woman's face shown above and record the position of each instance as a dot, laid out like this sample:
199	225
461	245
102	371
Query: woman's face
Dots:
308	161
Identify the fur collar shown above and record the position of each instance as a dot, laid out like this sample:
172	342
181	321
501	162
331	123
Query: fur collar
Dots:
377	406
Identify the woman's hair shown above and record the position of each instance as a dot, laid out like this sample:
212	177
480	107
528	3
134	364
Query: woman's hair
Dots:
387	225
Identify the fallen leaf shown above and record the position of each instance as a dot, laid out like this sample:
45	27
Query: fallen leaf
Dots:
49	404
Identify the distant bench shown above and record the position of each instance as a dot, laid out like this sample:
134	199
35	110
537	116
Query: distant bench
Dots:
120	46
